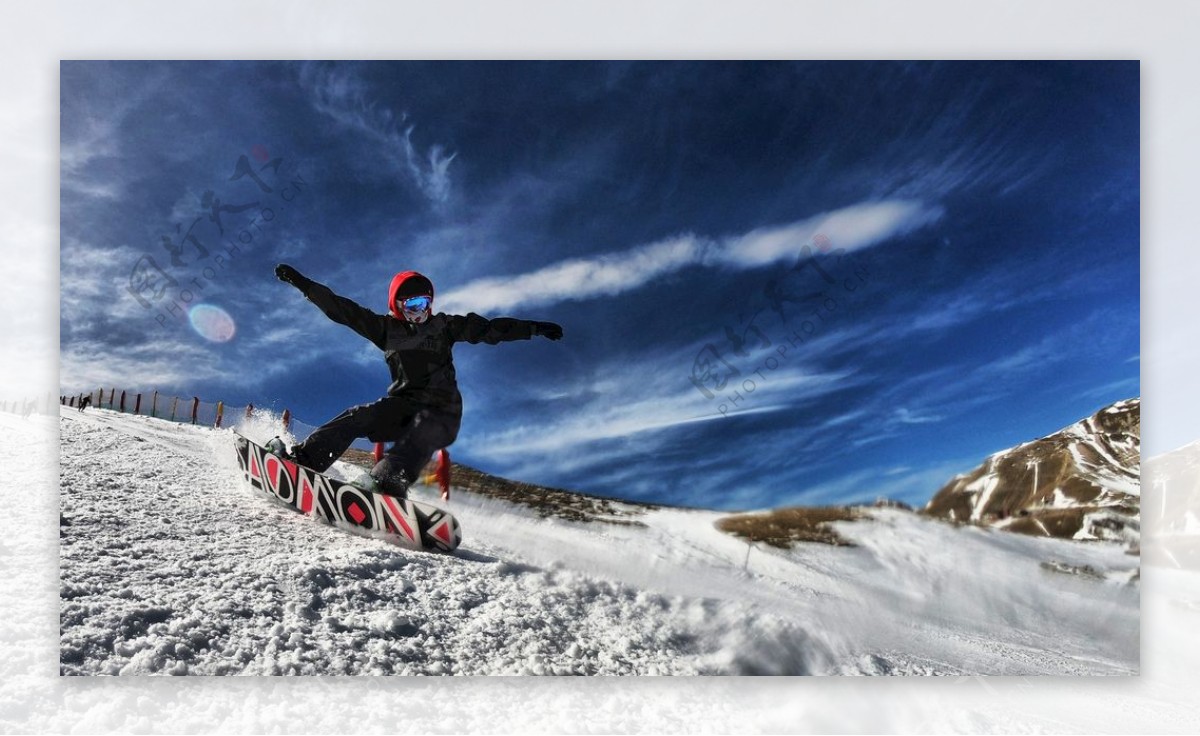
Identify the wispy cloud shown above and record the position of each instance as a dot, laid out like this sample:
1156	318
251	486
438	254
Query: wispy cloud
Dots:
954	310
1128	387
868	484
850	228
905	415
951	391
346	98
92	127
92	284
653	397
94	137
164	363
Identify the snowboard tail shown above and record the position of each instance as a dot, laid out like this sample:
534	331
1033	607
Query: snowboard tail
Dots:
310	492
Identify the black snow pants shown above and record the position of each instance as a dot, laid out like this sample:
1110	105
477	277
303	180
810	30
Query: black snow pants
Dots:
416	431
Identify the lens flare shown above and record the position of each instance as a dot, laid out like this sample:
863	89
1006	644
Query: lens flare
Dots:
212	323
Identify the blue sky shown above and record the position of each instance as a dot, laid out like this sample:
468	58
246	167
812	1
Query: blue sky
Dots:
780	283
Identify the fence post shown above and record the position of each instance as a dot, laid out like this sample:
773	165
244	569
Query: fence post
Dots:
137	406
122	401
287	419
174	406
154	406
195	407
220	413
112	395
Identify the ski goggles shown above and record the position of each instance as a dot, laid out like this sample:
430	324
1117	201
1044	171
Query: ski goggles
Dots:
415	303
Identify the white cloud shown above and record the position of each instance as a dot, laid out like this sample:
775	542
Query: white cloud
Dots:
851	228
579	278
346	99
88	365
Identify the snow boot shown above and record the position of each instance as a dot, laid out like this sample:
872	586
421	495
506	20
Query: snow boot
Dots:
367	482
276	447
393	484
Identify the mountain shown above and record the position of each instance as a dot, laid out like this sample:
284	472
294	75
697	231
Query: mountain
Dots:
1082	482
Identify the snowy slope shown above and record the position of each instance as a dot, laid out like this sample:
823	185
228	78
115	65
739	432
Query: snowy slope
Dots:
170	564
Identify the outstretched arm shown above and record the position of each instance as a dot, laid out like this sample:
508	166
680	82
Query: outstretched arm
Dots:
475	329
337	308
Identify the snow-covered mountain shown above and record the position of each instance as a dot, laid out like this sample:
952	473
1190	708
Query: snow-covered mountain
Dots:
171	564
1082	482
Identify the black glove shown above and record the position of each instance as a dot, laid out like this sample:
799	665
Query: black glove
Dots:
548	330
289	275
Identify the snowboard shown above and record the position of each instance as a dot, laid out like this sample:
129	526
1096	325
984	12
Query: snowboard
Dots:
310	492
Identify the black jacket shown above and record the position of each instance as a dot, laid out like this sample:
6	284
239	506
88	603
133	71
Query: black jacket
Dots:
419	356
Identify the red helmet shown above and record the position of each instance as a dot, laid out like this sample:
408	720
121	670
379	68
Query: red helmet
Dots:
407	285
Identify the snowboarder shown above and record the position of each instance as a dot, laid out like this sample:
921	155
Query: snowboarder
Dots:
87	401
422	410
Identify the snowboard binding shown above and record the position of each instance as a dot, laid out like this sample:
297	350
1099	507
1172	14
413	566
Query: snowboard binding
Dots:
276	447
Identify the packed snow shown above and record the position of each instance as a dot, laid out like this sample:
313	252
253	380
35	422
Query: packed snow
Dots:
172	564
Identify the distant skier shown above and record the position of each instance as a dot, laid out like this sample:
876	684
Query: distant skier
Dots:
423	407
